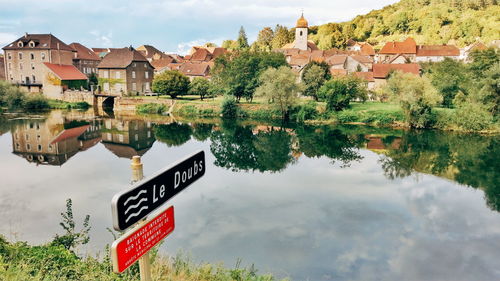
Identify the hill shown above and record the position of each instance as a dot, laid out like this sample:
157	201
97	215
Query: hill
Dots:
459	22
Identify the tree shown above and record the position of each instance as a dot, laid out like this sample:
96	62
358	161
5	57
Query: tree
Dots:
449	77
416	95
238	74
264	39
228	44
174	134
281	37
242	41
489	90
172	83
71	239
483	60
279	85
199	87
315	75
339	92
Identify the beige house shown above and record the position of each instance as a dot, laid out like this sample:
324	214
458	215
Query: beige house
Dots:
125	72
85	59
25	56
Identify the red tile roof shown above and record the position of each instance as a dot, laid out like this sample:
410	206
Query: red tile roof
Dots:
381	70
368	76
149	51
201	54
162	63
336	59
66	72
195	69
409	46
70	133
121	58
367	49
437	50
84	53
338	72
42	41
362	59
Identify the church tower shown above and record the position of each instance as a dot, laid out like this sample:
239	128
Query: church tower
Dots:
301	31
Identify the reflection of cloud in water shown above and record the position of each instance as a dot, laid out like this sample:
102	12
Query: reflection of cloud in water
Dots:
313	220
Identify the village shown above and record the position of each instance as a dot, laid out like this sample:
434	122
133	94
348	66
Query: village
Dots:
42	63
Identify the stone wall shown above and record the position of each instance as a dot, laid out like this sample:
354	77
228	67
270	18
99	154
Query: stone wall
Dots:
78	96
129	104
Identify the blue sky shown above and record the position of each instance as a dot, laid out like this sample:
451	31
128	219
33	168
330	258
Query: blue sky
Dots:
170	25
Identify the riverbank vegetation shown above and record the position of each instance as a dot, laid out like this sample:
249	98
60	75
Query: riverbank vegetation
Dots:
58	261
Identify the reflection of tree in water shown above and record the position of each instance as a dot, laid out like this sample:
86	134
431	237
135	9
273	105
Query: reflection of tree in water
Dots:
467	159
173	134
202	131
329	142
238	148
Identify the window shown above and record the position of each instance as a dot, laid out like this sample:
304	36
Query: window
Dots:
38	138
32	44
43	56
32	56
133	74
10	65
145	65
106	86
20	56
20	44
120	138
28	147
149	134
134	87
20	66
134	64
146	74
117	75
146	86
32	66
9	56
39	147
17	145
136	137
300	33
33	76
50	147
106	74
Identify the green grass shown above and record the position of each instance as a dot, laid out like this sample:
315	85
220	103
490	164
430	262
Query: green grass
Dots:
59	104
151	108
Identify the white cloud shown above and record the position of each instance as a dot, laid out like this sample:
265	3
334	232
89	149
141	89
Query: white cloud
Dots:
184	47
102	40
6	38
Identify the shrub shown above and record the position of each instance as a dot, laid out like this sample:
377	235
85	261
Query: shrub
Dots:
229	107
151	108
347	116
306	111
472	116
35	102
339	92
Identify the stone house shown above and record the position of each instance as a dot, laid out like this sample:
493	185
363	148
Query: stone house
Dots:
2	68
358	63
85	59
59	78
127	139
368	77
193	70
25	56
124	72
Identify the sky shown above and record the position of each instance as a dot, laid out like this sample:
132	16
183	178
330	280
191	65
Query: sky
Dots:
172	26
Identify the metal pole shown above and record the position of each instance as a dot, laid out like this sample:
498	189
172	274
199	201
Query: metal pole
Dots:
144	262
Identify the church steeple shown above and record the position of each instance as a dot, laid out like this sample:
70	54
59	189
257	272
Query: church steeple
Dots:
301	31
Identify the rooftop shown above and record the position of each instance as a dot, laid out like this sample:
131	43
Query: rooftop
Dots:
66	72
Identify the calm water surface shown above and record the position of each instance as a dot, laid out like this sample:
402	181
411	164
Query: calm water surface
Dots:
309	203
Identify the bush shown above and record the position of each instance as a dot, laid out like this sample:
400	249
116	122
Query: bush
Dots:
347	116
229	107
151	108
305	111
339	92
472	116
172	83
35	102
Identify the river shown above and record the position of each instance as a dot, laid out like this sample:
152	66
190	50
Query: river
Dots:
304	202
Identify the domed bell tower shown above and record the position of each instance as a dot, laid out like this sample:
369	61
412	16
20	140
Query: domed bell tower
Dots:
301	31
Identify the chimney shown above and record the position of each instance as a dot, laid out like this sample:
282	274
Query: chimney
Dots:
26	35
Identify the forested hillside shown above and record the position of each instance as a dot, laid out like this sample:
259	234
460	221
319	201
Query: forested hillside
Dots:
429	21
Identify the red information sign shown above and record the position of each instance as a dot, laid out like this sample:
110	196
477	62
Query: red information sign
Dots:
135	243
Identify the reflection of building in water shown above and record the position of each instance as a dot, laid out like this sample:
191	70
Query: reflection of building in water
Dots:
376	143
127	138
51	141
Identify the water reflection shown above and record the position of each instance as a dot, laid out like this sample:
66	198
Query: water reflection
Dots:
309	202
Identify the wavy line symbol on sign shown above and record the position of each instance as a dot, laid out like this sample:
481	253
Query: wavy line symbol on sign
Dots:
136	205
135	197
136	214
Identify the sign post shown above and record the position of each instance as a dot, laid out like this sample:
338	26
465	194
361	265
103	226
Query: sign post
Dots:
132	206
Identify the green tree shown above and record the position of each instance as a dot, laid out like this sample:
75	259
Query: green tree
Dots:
172	83
238	74
339	92
174	134
264	39
483	60
242	41
281	37
449	77
228	44
416	95
315	74
199	87
279	85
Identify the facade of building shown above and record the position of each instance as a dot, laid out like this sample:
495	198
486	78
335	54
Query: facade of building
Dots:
2	68
382	70
85	59
125	72
59	78
127	138
25	56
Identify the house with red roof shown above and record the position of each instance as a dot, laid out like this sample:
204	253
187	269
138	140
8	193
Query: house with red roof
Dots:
59	78
125	72
436	53
25	56
85	59
390	50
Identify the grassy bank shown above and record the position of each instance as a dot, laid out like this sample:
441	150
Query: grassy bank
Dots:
22	262
59	104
